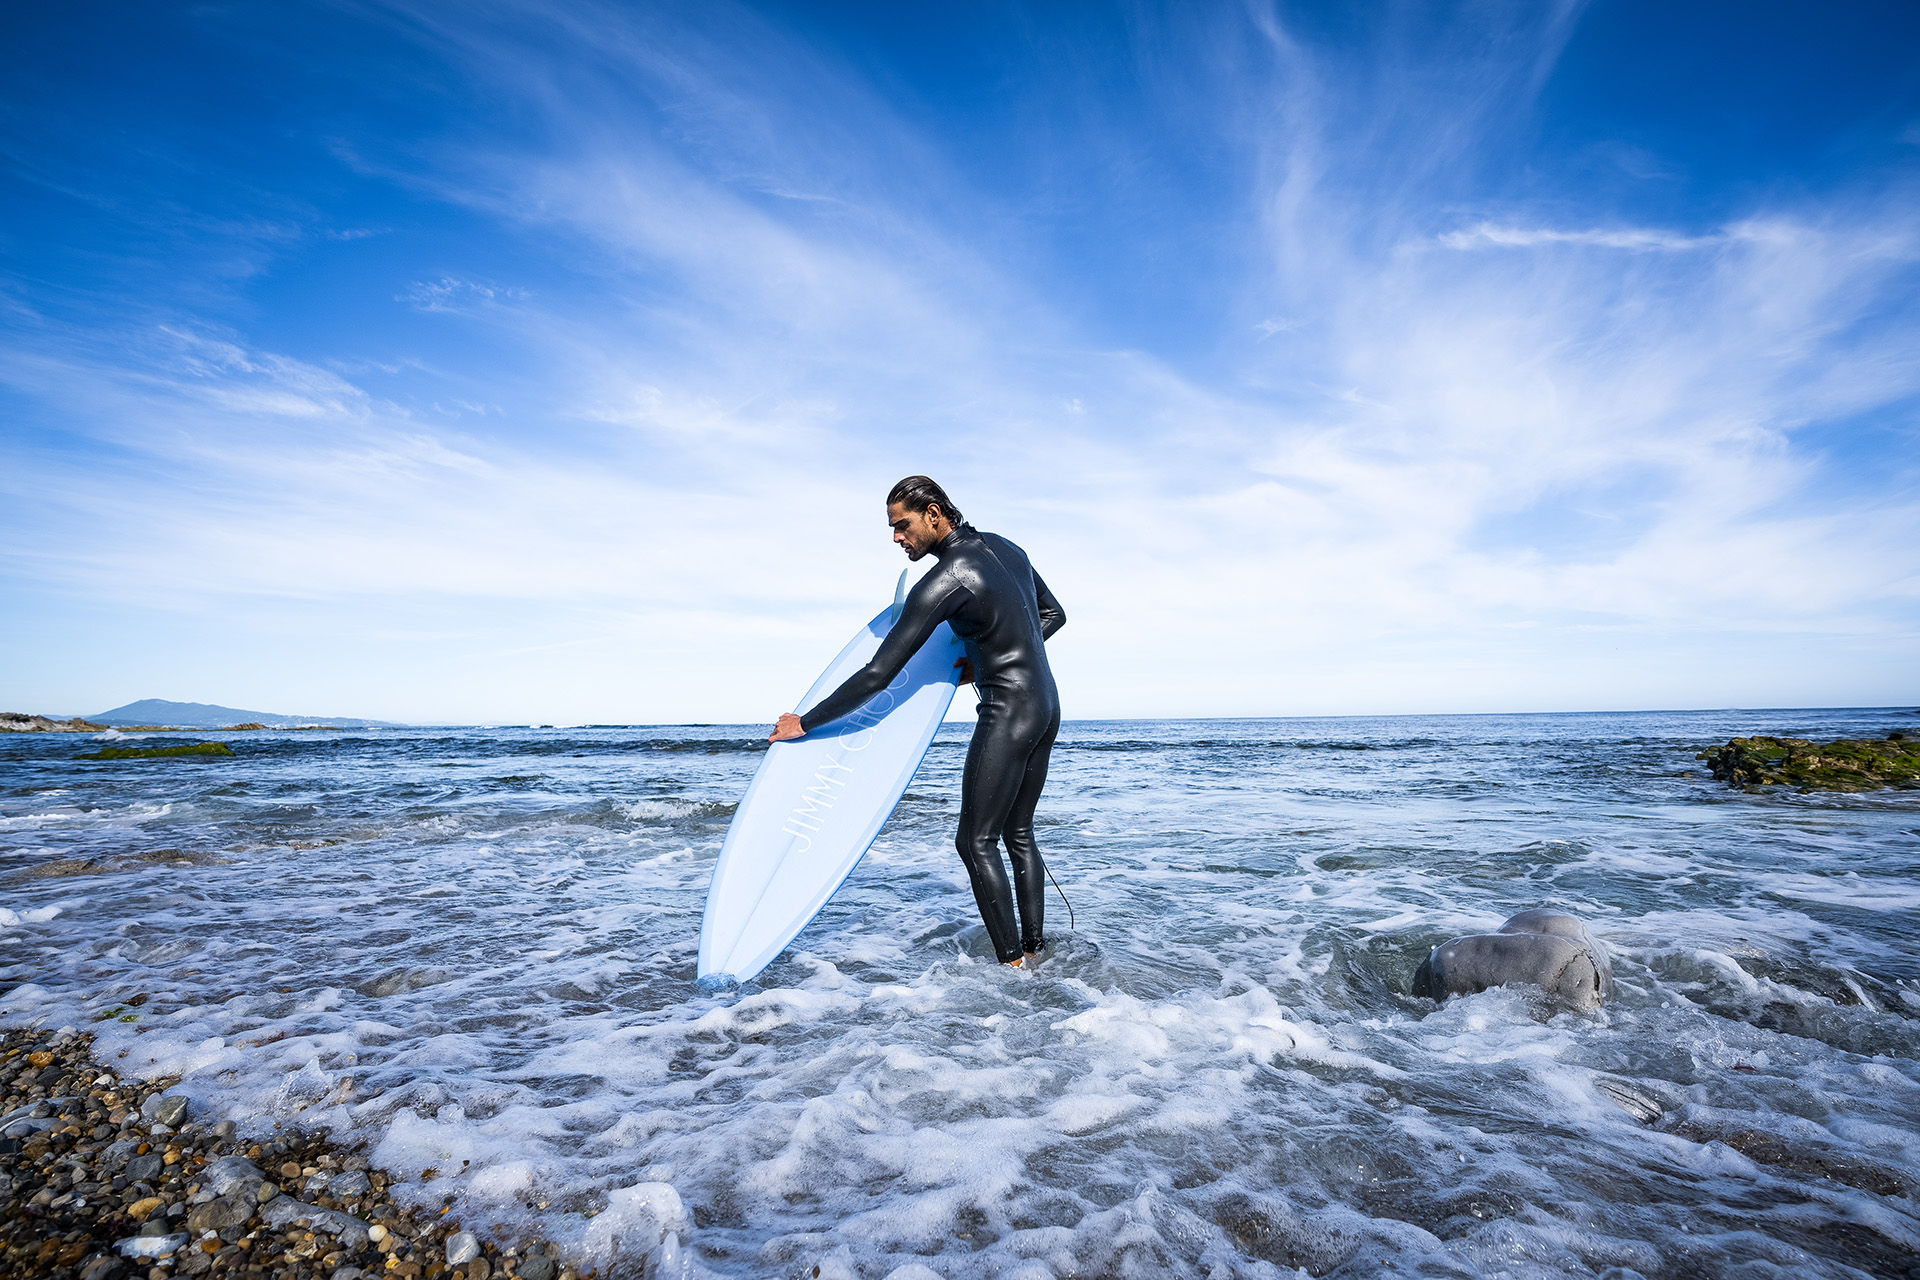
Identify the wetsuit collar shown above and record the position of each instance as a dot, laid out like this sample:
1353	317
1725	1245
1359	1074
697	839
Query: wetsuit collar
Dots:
947	542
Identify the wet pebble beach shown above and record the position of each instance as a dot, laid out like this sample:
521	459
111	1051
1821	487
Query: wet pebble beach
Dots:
106	1178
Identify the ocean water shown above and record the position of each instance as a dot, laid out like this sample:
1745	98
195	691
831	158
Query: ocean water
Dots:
472	952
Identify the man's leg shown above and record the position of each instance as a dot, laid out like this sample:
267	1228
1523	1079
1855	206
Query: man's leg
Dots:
1029	872
996	770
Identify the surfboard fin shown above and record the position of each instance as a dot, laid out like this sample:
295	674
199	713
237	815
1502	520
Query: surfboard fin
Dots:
899	598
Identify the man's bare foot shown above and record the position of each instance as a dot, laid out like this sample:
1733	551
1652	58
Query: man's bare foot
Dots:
1021	963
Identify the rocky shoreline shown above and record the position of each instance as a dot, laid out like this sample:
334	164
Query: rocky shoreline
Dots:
20	722
109	1178
1850	764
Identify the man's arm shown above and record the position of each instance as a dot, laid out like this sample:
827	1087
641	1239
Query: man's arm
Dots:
924	611
1052	616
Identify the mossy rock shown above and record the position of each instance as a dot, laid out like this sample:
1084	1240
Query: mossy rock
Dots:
1850	764
147	753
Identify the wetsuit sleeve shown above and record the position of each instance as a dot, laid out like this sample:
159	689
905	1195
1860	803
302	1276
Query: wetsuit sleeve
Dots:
1052	616
924	611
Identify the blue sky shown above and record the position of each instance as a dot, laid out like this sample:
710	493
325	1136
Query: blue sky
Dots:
503	362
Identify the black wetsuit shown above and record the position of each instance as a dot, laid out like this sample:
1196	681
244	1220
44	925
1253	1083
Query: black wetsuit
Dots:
1003	614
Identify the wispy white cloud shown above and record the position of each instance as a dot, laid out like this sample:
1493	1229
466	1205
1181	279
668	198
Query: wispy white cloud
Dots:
449	294
1489	236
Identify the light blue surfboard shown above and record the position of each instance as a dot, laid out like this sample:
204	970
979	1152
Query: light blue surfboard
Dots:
816	804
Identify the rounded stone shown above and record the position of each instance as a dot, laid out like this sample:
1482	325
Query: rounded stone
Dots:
462	1247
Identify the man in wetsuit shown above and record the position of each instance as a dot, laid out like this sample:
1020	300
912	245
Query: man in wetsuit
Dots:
1003	614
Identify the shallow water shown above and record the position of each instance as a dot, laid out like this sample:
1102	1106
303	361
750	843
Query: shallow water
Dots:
472	951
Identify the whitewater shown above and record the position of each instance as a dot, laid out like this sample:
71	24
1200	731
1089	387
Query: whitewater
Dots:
470	953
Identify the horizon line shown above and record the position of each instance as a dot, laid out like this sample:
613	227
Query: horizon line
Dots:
726	724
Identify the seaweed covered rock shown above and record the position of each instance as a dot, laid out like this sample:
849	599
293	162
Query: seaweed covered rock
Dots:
1850	764
157	753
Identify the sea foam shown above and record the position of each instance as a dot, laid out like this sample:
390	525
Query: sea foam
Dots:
471	954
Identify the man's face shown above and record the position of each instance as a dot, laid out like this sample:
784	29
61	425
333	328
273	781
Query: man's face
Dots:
913	531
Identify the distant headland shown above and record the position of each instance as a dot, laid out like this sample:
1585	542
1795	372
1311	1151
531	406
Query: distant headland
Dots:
158	713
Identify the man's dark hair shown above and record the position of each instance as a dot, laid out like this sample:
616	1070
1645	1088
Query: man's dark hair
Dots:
917	493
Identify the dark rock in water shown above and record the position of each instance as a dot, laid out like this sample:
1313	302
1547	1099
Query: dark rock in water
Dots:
157	753
1849	764
171	1111
1275	1233
1773	1149
145	1168
1631	1097
401	980
538	1267
1548	949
